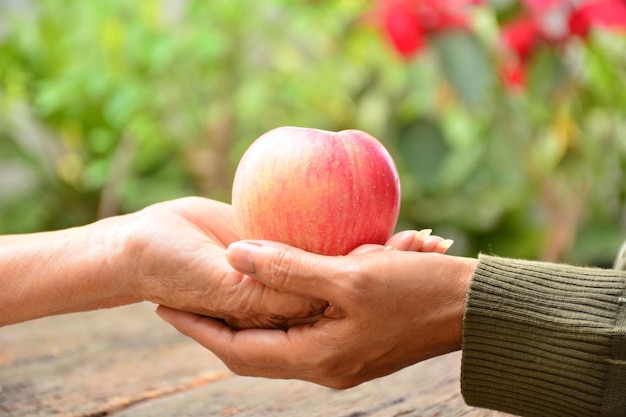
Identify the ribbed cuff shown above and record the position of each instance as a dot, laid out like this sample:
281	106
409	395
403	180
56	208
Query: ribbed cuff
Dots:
543	339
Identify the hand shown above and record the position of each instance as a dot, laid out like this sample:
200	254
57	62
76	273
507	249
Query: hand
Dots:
386	310
170	253
179	251
180	257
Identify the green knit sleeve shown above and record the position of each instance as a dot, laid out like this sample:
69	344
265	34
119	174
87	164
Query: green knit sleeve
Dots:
542	339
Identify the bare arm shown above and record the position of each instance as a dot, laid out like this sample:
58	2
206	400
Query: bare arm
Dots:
171	253
63	271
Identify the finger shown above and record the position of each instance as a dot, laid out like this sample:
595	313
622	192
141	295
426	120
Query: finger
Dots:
369	248
186	323
289	269
211	333
409	240
251	352
436	244
443	246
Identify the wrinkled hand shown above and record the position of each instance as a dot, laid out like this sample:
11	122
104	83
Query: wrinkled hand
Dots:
178	250
179	253
387	310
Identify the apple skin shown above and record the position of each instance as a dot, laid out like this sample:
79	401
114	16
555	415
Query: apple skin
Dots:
321	191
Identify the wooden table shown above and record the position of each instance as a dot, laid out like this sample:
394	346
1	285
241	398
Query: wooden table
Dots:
126	362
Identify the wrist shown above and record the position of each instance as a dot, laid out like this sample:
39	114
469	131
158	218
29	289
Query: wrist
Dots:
64	271
461	276
114	250
140	255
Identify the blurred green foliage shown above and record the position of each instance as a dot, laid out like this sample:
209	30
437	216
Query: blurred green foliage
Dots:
106	107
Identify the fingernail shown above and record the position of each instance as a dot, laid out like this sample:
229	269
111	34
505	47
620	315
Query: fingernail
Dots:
241	255
445	244
423	234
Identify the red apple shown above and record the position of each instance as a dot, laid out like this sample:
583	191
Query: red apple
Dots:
324	192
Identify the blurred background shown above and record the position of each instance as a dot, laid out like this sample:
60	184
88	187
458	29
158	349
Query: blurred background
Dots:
506	118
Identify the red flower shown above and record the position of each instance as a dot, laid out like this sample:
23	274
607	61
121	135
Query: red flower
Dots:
552	22
403	28
609	14
519	40
521	36
409	22
513	75
541	6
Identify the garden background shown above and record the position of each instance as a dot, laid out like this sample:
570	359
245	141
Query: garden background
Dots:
507	118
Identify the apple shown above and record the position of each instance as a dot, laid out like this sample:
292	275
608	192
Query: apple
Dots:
324	192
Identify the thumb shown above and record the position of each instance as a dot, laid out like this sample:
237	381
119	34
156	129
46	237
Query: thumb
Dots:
286	268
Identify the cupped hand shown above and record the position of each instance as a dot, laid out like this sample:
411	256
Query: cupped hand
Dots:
387	309
410	241
178	251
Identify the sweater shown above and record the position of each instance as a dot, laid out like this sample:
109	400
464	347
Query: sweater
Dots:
543	339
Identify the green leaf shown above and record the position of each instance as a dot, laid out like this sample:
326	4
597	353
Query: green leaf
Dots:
467	66
546	74
96	174
423	151
603	72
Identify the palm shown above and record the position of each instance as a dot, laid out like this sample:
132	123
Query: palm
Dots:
201	281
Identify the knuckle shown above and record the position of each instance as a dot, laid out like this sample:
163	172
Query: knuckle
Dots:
356	282
281	268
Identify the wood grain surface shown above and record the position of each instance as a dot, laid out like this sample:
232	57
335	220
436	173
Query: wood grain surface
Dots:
126	362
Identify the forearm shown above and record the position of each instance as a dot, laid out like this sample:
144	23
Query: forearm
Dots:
545	339
63	271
